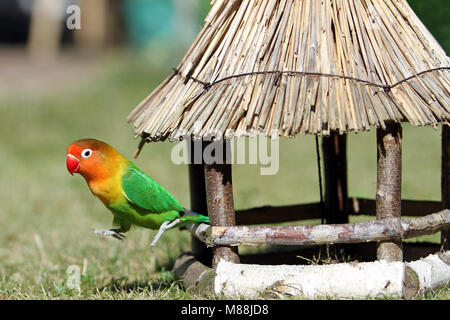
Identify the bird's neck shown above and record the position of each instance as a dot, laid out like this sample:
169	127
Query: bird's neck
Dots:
105	190
108	187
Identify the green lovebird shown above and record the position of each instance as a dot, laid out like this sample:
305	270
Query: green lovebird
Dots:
131	195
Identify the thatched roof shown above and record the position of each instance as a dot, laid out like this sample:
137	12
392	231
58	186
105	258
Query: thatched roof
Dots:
301	66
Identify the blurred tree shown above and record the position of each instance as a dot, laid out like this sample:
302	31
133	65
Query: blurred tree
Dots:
148	19
45	29
187	24
14	22
204	7
164	21
94	30
435	14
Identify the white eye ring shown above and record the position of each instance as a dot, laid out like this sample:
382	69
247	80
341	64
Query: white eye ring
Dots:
86	153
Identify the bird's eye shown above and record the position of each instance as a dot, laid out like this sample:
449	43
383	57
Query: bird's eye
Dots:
86	153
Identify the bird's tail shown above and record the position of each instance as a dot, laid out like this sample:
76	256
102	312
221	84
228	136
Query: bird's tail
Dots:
194	217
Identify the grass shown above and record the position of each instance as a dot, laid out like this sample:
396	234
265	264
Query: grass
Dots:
46	215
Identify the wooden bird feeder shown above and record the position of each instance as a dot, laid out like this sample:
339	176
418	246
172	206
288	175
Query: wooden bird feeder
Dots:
282	67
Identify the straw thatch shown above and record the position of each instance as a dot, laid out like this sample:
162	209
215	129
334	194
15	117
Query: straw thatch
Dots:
283	67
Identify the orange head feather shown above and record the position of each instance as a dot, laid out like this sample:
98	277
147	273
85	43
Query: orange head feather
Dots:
93	159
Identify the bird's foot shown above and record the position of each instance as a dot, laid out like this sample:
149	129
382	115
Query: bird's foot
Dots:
164	226
111	232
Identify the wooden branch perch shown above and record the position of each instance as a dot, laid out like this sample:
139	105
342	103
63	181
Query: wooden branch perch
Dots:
334	233
202	232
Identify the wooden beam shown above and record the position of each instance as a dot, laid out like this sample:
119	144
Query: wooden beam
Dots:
334	149
379	230
219	196
389	181
198	199
445	182
269	214
367	251
355	206
411	208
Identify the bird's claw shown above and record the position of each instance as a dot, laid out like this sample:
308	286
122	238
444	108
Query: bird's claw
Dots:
164	226
119	236
111	233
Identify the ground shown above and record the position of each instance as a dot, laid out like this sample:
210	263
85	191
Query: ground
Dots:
47	215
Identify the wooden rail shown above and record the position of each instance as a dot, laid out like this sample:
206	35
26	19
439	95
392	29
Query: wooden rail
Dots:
356	206
379	230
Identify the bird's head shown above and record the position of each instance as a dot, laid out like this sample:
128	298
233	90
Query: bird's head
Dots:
89	157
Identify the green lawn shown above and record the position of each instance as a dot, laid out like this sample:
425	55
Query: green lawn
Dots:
46	215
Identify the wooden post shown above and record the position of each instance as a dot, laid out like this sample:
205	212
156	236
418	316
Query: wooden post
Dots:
389	181
445	182
219	196
334	150
198	199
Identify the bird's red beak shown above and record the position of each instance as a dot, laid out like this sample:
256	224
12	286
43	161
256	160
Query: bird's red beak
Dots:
73	164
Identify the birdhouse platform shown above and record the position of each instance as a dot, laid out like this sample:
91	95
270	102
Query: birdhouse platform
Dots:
279	68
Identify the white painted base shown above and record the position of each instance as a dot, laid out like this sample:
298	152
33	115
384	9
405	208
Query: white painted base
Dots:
344	280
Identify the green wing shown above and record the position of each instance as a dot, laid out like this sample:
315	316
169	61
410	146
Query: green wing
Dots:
146	193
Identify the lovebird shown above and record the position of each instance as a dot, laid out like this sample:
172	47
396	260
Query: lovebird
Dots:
131	195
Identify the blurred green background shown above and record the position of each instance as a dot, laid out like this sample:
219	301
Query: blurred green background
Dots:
86	89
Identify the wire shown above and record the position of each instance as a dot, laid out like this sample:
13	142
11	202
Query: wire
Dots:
385	87
319	169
